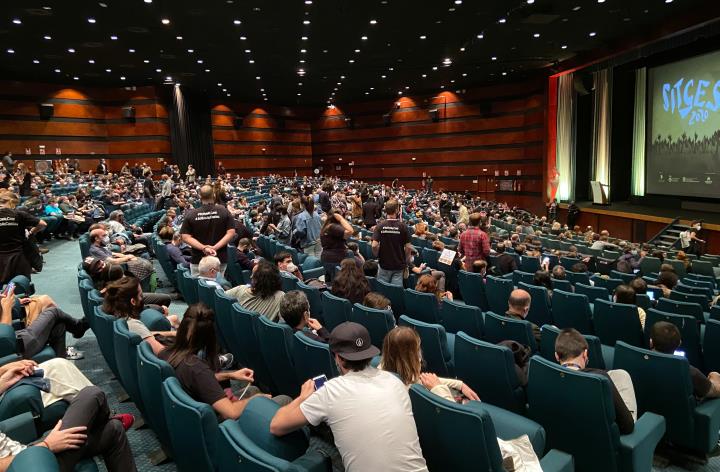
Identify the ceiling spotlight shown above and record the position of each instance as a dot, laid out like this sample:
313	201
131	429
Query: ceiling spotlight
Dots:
148	1
668	1
91	20
502	20
71	50
11	51
308	2
458	2
48	37
364	38
304	38
536	35
17	21
108	70
447	61
35	61
462	49
191	51
165	21
207	70
494	58
131	50
564	46
57	71
434	67
399	92
530	2
122	77
592	34
251	61
303	51
351	61
504	73
146	61
357	50
423	37
306	22
601	1
76	78
168	79
424	75
113	37
236	22
464	74
199	61
373	22
301	71
242	38
257	77
91	61
480	36
383	76
158	70
302	61
179	38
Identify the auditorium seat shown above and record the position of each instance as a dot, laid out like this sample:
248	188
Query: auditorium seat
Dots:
312	358
704	267
125	344
463	438
617	322
689	332
377	322
498	292
335	310
314	297
711	345
539	312
243	330
437	346
276	347
700	299
609	284
682	308
490	371
649	265
599	355
663	386
578	277
520	276
500	328
576	409
152	372
193	428
458	317
571	310
472	289
559	284
422	306
104	325
707	292
247	444
592	292
396	295
189	288
529	264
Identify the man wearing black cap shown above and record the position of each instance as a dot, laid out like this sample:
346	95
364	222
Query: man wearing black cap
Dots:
367	409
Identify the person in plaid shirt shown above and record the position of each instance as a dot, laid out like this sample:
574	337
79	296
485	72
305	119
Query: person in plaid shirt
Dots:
474	243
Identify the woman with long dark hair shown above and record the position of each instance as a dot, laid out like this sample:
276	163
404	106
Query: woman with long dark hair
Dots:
350	282
333	236
264	293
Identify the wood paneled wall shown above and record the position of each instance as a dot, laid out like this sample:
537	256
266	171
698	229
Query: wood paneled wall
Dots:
87	124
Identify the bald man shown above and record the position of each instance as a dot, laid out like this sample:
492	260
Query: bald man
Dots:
208	230
518	307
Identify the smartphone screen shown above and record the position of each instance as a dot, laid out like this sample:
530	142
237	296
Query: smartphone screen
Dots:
9	288
651	295
319	381
679	353
546	260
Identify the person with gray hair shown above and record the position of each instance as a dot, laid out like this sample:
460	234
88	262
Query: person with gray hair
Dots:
209	271
295	311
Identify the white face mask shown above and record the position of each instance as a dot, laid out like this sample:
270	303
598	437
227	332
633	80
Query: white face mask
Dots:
291	267
106	241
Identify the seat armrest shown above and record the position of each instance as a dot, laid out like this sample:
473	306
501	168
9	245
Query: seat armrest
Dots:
707	423
312	462
509	425
34	458
9	358
637	448
557	461
20	428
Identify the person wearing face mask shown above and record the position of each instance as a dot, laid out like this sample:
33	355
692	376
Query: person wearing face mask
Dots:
689	242
283	260
244	258
100	248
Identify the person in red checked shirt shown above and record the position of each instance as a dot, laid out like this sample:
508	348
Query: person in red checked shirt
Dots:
474	243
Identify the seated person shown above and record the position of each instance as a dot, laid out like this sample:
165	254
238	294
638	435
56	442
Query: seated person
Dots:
518	308
243	255
48	327
349	282
376	300
284	262
504	262
173	244
264	293
100	249
558	273
209	271
423	268
124	299
479	267
542	279
201	376
370	268
571	351
429	284
295	311
402	355
626	294
665	338
102	273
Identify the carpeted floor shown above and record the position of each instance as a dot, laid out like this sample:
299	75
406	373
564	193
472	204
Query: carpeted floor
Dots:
58	279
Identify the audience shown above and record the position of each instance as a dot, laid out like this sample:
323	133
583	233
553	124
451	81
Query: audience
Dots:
626	294
350	282
295	312
391	245
518	308
264	294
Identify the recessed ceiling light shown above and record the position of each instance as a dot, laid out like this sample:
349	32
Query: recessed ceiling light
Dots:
48	37
480	36
564	46
424	75
113	37
35	61
17	21
57	71
298	94
148	1
494	58
423	37
158	70
257	77
447	61
131	50
364	38
304	38
462	49
47	8
190	51
91	61
207	70
308	2
199	61
592	34
502	20
243	38
168	78
464	74
71	50
504	73
399	92
367	93
11	51
601	1
251	61
302	61
434	68
108	70
236	22
357	50
91	20
668	1
383	76
339	83
458	2
536	35
306	22
165	21
530	2
372	88
303	51
342	77
351	61
122	77
179	38
146	61
76	78
576	8
373	22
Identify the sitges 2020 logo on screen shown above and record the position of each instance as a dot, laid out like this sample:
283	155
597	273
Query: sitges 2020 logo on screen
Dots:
693	100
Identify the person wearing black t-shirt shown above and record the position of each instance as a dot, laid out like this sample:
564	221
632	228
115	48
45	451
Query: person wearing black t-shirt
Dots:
13	224
391	244
208	230
665	338
571	351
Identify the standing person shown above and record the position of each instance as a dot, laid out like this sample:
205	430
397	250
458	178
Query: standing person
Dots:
149	190
573	213
370	212
367	409
689	242
552	207
208	230
190	174
391	244
333	237
474	243
8	162
429	184
101	168
307	229
221	169
13	224
165	191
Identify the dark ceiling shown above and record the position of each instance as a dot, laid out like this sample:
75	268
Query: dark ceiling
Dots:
354	49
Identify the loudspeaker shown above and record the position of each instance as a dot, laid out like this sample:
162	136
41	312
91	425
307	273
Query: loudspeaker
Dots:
349	123
128	113
434	114
387	119
47	110
583	83
238	122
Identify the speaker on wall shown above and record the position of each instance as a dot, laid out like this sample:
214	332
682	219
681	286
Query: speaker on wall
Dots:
434	114
47	110
128	113
238	122
387	119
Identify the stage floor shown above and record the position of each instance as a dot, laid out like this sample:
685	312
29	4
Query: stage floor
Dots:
649	213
